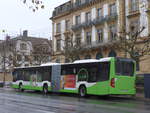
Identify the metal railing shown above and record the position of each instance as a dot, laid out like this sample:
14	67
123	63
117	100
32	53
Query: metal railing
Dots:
93	44
99	20
69	6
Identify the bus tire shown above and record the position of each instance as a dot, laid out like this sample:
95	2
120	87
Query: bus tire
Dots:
45	89
20	87
82	91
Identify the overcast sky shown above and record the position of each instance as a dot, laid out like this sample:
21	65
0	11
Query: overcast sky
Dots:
16	17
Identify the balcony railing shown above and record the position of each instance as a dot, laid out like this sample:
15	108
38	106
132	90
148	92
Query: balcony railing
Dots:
76	27
93	44
99	20
112	16
63	8
69	6
82	3
88	23
82	25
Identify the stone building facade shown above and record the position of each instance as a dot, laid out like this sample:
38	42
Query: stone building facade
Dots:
24	51
95	23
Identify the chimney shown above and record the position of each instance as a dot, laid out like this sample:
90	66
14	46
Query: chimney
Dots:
25	33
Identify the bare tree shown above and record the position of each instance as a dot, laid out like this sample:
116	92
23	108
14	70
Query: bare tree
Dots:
34	5
134	45
72	49
41	53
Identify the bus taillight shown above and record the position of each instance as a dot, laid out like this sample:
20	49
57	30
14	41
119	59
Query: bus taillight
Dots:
112	83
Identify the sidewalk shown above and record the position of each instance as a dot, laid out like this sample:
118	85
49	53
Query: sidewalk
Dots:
141	97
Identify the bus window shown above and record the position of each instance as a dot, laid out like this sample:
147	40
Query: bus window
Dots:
82	75
104	69
15	78
68	70
44	74
28	73
17	75
93	72
124	68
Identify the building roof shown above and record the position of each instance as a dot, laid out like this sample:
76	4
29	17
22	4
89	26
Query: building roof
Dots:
34	40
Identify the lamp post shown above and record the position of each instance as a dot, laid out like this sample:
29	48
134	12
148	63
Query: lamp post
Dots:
4	59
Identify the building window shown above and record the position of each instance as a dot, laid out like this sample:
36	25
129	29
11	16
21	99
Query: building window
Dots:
88	38
78	39
88	16
99	55
67	24
113	32
19	57
58	45
78	2
134	26
58	28
134	5
99	13
113	9
68	42
78	20
100	35
26	58
23	46
112	53
88	57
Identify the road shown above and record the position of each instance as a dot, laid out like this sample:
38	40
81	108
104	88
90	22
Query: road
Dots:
12	101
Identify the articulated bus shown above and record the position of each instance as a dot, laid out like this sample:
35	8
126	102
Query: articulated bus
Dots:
106	76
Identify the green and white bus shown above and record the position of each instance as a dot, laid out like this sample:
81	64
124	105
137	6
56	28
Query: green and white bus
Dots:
106	76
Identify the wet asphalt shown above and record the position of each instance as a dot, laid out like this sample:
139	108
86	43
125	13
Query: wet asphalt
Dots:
13	101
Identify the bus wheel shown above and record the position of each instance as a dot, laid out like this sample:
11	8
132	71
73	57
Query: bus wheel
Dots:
20	87
45	89
82	91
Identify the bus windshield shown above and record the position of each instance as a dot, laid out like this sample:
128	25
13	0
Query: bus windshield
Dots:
124	67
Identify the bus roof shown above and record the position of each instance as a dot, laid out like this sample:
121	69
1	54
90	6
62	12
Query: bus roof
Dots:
42	65
50	64
93	60
25	67
75	62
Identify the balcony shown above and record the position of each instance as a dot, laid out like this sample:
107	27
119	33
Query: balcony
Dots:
99	20
94	44
82	3
87	24
112	16
76	27
68	6
62	9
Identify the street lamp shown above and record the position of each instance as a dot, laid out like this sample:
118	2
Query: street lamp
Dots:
4	58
